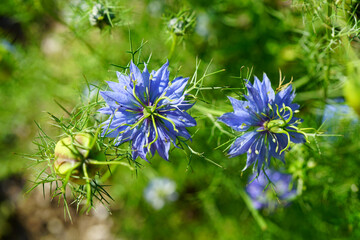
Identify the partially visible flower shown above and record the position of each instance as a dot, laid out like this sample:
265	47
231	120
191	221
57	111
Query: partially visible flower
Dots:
336	111
100	16
268	120
148	110
160	191
338	117
203	25
89	92
267	198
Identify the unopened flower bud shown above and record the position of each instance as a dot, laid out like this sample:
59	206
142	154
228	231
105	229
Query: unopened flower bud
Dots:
72	153
183	24
100	16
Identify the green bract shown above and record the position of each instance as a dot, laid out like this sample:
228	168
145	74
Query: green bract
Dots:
71	153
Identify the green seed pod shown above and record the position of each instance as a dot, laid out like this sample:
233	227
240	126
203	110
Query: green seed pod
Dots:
71	154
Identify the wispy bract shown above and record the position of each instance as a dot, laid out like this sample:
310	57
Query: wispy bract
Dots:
148	110
267	118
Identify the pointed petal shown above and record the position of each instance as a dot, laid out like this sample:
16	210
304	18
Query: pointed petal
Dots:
181	119
159	82
176	89
238	122
239	106
269	91
242	144
115	99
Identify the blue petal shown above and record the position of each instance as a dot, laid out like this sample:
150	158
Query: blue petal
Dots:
106	110
181	119
238	106
297	137
242	144
116	86
268	89
176	89
139	141
146	77
285	96
124	80
275	147
159	82
163	144
141	83
181	131
255	99
115	99
135	73
262	150
237	122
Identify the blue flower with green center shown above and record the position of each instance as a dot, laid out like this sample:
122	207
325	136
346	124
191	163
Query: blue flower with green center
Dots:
148	110
267	118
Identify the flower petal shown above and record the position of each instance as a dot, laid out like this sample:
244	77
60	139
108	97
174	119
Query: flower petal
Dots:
159	82
238	122
242	144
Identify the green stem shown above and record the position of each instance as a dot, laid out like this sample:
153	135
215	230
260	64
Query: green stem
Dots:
95	162
328	38
260	221
173	46
88	187
207	110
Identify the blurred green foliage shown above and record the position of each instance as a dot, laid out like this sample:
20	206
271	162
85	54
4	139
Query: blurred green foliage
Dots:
49	50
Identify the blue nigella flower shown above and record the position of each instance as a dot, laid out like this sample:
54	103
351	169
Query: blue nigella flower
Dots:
267	198
148	110
267	118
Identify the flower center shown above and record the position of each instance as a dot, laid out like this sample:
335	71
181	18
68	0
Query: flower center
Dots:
149	110
275	126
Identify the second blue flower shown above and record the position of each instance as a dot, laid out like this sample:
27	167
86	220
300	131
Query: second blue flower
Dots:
268	120
148	110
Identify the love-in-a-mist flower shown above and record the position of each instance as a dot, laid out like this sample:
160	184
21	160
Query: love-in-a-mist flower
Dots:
160	191
267	118
147	109
269	198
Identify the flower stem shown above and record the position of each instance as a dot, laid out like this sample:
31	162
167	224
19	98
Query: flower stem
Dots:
95	162
88	188
260	221
329	39
207	110
173	46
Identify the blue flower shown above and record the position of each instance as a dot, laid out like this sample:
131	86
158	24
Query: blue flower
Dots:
267	198
267	118
148	110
